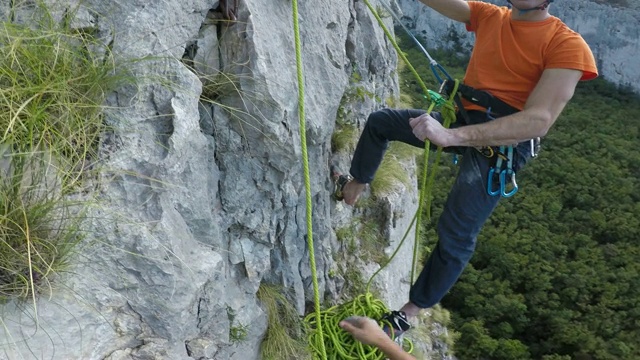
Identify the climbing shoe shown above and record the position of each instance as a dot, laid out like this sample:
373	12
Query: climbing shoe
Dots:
395	324
339	181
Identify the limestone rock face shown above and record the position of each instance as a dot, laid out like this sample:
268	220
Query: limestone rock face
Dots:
612	33
202	201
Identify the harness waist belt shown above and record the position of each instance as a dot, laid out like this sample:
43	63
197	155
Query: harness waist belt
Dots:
482	98
495	107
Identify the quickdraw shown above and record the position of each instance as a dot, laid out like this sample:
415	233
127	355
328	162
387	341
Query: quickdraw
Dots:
498	175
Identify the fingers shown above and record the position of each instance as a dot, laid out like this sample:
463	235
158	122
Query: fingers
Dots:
413	122
346	326
416	121
418	128
354	321
354	324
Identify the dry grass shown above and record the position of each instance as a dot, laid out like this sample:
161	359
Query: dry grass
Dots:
284	339
52	87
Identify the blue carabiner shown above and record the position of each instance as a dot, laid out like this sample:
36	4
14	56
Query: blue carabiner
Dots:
490	191
503	183
435	68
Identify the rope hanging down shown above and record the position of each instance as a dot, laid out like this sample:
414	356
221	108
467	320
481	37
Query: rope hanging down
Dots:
325	337
307	181
435	67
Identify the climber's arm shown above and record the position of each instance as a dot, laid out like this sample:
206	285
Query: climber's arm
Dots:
457	10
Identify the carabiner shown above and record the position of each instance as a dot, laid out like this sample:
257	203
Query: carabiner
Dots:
486	151
490	181
503	183
435	68
535	146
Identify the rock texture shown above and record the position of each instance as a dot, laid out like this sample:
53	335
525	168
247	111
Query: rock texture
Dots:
202	202
612	33
199	202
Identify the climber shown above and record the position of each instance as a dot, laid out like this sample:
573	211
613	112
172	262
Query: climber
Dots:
522	56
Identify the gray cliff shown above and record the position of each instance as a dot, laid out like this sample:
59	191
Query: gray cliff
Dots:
199	204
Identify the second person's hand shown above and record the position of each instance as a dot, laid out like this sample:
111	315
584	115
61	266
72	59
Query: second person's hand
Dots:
364	329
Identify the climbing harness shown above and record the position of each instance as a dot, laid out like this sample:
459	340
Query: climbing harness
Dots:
494	108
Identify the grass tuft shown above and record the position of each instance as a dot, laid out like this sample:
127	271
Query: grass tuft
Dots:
344	138
53	82
52	89
230	88
38	228
391	175
284	339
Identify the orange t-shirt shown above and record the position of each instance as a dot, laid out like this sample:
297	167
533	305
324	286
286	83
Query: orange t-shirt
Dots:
509	56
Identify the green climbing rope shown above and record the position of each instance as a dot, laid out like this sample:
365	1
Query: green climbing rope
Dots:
325	337
393	42
426	189
339	344
320	349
